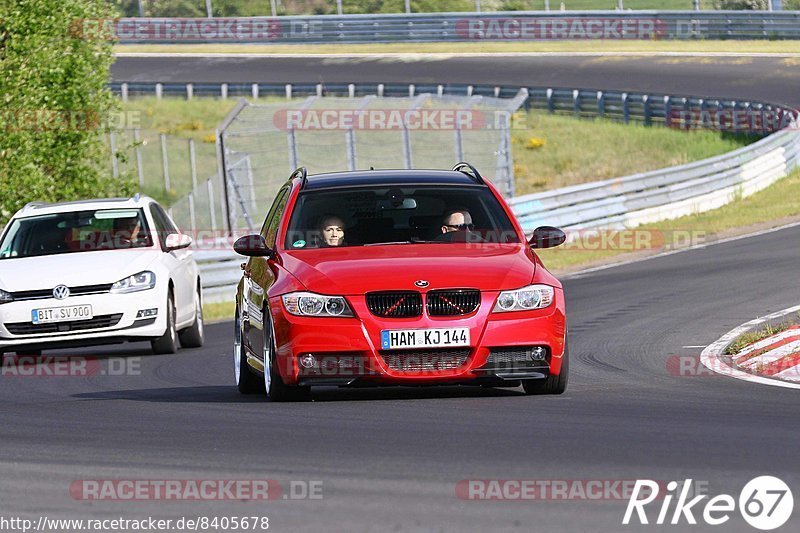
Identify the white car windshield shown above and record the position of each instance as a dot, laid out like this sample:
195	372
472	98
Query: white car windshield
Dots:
77	231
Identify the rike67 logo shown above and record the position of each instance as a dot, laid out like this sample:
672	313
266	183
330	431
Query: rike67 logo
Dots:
765	503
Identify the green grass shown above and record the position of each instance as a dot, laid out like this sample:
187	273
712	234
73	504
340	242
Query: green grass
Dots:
216	312
752	337
566	151
572	151
777	202
606	46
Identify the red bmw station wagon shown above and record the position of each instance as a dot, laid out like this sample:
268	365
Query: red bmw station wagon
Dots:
396	277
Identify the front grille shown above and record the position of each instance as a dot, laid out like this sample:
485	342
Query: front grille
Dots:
509	355
453	302
27	328
40	294
425	360
396	304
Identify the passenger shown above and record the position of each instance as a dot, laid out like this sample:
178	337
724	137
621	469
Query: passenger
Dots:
332	229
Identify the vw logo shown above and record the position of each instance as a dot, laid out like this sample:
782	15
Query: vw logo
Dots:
421	283
61	292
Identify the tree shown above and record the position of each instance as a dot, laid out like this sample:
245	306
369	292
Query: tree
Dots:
54	101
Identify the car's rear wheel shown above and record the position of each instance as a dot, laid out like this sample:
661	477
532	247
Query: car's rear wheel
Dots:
194	335
168	342
551	384
277	390
247	381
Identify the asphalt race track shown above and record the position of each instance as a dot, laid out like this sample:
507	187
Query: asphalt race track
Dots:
773	79
390	459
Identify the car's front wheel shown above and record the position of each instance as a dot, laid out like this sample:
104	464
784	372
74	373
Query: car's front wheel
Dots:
168	342
551	384
194	335
246	380
277	390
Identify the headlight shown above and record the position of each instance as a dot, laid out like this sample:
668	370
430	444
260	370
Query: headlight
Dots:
524	299
5	297
310	304
138	282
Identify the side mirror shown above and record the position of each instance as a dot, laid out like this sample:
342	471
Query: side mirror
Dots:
176	241
252	246
547	237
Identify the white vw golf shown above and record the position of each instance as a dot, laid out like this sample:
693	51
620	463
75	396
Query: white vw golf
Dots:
97	272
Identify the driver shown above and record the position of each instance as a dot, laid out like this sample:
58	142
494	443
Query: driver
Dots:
332	229
126	231
457	220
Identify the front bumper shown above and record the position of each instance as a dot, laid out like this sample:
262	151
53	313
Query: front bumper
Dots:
114	320
347	350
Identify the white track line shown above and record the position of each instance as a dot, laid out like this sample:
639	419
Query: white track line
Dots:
450	55
711	356
582	273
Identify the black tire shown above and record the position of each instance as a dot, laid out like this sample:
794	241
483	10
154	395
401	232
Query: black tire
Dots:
276	389
168	342
552	384
194	335
247	381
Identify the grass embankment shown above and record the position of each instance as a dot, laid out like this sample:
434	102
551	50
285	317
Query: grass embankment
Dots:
550	151
505	47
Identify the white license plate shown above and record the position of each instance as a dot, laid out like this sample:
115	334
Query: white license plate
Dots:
61	314
424	338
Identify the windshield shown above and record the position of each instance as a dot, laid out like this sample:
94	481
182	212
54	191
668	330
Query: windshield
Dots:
79	231
397	215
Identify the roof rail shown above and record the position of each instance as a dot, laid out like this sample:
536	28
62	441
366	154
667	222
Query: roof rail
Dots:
470	171
33	204
136	197
301	173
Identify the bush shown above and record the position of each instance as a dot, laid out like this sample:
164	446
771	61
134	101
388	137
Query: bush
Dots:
53	100
742	4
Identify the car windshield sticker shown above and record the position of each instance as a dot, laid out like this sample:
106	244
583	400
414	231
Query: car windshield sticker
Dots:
299	244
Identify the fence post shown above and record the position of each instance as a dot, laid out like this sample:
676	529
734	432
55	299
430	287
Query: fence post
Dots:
292	142
159	90
193	164
211	210
223	91
165	162
648	117
626	109
189	91
601	104
288	91
123	89
411	89
576	103
319	89
251	181
137	147
550	105
254	90
381	89
112	144
222	172
192	219
350	142
351	90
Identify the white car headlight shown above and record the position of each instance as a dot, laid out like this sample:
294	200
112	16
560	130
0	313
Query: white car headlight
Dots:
5	297
524	299
311	304
138	282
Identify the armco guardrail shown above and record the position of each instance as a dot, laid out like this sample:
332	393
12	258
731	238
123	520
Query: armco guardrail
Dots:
616	203
663	194
455	27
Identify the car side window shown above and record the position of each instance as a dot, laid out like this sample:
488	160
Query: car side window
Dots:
275	219
163	226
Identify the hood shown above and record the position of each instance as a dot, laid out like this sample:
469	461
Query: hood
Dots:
356	270
72	269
